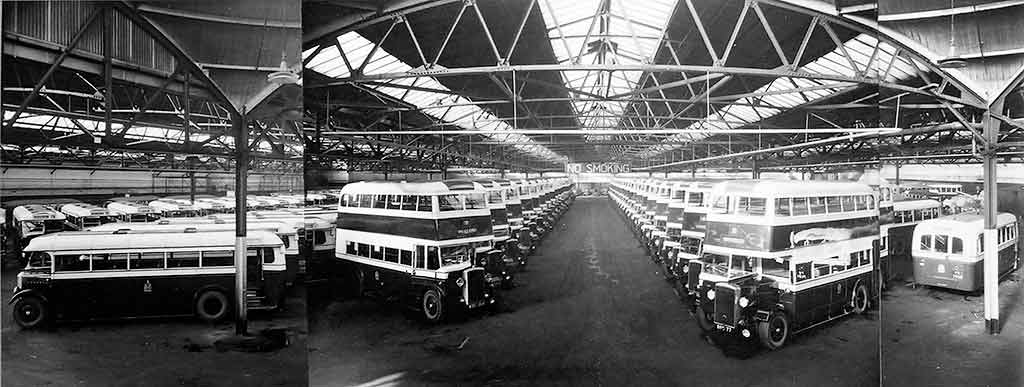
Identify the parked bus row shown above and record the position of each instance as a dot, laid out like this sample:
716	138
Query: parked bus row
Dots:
768	259
125	261
28	220
439	247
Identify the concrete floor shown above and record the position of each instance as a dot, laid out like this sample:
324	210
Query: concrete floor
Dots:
153	352
936	337
591	310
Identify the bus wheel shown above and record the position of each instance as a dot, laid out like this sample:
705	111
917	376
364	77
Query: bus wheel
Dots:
859	299
703	321
433	306
774	332
30	312
212	306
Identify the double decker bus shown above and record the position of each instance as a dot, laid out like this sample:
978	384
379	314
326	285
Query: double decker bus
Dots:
133	212
85	275
514	208
32	220
949	251
781	257
83	215
528	236
417	243
503	261
662	196
693	226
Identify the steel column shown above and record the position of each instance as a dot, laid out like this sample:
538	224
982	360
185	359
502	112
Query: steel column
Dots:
990	204
241	172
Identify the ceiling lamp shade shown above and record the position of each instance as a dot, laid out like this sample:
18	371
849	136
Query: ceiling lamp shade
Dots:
953	61
284	76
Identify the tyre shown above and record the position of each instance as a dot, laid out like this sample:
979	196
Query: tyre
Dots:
703	320
432	306
859	299
775	332
212	306
30	312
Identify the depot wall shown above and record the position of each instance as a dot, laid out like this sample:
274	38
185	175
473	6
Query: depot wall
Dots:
33	182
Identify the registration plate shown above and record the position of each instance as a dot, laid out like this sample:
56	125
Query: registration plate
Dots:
723	327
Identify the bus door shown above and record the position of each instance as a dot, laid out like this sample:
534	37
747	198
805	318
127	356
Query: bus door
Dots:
936	254
254	259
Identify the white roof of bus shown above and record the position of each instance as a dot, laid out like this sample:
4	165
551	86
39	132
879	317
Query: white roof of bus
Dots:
791	188
83	209
36	212
961	223
88	240
918	204
401	188
277	227
129	207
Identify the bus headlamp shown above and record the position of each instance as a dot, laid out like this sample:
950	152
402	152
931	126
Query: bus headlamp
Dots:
461	282
746	333
686	268
711	294
744	302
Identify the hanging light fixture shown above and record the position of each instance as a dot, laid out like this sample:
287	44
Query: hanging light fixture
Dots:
953	61
284	75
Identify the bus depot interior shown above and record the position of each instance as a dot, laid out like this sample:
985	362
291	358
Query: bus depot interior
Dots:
524	192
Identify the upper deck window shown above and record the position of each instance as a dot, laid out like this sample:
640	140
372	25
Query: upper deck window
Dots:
817	205
800	207
475	201
494	196
449	203
679	195
751	206
782	207
424	203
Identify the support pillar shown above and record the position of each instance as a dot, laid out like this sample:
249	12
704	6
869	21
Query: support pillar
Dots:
989	205
755	170
108	83
241	128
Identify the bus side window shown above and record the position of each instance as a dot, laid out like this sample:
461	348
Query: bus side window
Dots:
865	257
409	203
424	203
406	257
381	201
183	259
433	260
817	205
800	206
218	258
110	261
981	243
855	259
377	252
420	257
391	254
365	200
150	260
350	248
956	245
75	262
926	242
821	269
871	201
319	237
833	204
848	205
